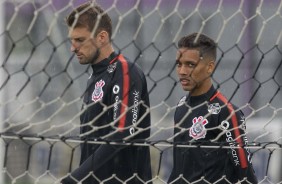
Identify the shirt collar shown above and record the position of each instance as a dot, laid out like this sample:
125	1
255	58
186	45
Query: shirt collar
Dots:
102	65
195	100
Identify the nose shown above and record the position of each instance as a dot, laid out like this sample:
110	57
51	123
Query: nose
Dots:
183	70
74	47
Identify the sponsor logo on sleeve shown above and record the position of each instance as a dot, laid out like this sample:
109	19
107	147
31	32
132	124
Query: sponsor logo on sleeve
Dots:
198	130
214	108
98	92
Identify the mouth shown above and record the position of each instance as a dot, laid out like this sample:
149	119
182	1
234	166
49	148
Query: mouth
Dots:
184	81
79	57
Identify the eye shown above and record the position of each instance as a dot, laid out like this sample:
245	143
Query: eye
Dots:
178	64
80	40
191	65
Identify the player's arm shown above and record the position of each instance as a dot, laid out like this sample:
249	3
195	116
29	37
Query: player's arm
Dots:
236	138
92	164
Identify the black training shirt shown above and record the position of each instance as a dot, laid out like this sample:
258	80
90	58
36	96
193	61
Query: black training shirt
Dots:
116	109
209	119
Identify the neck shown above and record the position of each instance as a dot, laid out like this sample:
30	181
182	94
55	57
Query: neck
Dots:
203	90
105	52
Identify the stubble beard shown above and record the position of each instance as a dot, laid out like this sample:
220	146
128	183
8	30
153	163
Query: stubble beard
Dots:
91	60
95	57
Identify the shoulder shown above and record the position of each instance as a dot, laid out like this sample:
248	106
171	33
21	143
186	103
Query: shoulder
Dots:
220	99
222	104
128	67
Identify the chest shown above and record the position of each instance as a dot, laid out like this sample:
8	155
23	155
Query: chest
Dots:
98	89
96	97
199	122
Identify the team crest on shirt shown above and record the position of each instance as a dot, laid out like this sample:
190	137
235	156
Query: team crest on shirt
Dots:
198	129
98	92
112	67
214	108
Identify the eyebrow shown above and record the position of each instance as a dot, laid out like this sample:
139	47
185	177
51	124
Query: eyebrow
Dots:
79	37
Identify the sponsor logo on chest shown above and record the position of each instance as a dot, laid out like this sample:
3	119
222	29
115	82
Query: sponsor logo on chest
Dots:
134	111
116	91
98	92
232	143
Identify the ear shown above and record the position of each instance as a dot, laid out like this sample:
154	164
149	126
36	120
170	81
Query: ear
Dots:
103	37
211	66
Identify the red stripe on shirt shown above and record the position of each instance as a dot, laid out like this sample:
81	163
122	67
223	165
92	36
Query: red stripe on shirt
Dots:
125	91
113	60
242	155
215	95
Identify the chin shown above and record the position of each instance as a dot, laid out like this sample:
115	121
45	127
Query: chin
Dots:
82	62
186	88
